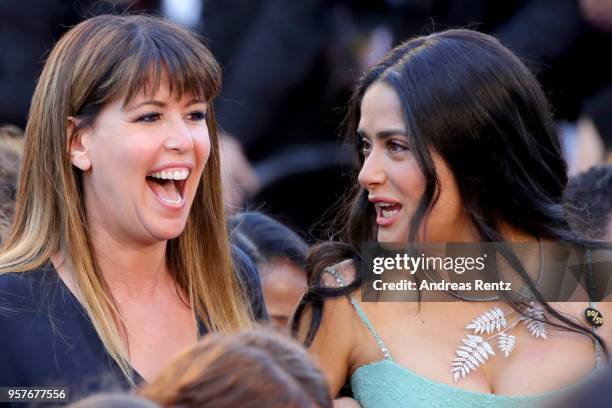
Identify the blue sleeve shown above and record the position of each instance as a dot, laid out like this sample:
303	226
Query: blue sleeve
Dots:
249	277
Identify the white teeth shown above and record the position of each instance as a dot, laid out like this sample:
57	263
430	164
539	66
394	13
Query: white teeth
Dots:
385	209
178	200
180	174
387	214
384	204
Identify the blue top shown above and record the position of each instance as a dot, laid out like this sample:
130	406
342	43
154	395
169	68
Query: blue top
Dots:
386	384
46	338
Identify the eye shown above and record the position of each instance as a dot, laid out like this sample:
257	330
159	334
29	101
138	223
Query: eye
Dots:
197	116
364	146
149	117
395	147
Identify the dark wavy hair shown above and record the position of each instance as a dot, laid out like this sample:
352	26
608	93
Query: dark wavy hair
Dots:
472	101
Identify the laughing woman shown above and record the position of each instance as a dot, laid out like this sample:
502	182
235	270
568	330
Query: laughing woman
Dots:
454	142
118	258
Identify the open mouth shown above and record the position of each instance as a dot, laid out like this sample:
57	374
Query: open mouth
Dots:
387	210
169	184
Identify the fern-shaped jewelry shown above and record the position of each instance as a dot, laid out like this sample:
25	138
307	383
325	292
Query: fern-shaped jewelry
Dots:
470	355
532	318
475	350
505	343
488	322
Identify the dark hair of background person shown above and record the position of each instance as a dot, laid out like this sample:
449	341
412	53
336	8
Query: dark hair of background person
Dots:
251	369
262	238
11	145
280	255
588	202
472	101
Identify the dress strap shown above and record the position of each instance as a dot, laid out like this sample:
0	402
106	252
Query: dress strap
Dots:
361	314
596	344
592	305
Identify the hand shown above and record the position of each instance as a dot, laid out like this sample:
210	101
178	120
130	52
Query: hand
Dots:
238	178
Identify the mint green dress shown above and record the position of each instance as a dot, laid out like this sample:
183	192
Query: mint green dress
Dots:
386	384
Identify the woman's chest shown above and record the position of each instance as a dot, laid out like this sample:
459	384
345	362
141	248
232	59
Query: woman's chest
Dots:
156	337
436	344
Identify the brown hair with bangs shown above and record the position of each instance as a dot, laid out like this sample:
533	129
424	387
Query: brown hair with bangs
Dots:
98	60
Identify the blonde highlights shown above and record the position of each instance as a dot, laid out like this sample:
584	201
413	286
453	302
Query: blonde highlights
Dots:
98	60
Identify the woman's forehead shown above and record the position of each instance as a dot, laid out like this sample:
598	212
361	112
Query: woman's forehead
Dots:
380	109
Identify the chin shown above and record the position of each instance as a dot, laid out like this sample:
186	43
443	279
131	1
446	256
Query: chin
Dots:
392	236
167	231
385	236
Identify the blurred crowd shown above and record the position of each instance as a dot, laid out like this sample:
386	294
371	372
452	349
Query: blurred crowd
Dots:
287	68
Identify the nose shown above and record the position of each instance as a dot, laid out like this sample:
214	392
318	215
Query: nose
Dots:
372	172
179	137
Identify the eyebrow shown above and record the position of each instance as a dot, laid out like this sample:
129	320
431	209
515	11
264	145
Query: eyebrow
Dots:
163	104
384	134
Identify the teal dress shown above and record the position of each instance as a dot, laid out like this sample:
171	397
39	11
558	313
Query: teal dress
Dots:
386	384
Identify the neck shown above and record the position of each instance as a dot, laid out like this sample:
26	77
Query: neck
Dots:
512	234
134	271
131	270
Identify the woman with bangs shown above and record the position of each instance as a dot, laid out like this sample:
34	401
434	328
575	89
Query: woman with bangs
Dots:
453	141
118	257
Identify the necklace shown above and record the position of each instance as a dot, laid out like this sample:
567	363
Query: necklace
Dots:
475	348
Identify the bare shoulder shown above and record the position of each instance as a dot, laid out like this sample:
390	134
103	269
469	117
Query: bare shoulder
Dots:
334	340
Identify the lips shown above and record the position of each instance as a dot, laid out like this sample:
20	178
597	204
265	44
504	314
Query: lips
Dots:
387	210
168	184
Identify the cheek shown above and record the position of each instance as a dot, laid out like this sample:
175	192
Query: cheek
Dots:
113	159
449	208
201	140
410	182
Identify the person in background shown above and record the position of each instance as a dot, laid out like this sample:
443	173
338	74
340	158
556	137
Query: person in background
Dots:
252	369
11	146
587	201
280	255
118	258
28	30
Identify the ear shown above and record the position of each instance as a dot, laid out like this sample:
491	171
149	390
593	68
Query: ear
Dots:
79	142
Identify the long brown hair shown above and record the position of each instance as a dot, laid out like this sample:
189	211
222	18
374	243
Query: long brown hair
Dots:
103	58
252	369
